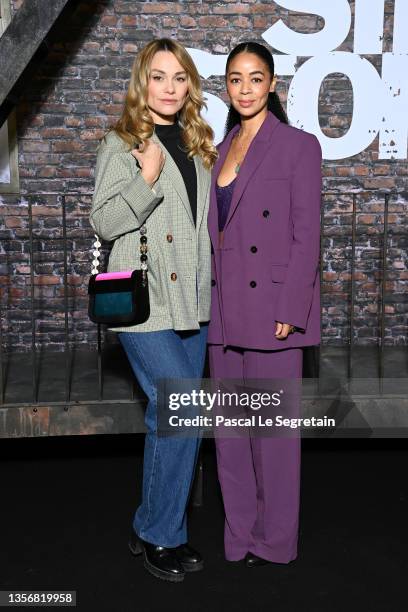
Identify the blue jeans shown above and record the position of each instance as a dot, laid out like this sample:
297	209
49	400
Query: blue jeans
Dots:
169	461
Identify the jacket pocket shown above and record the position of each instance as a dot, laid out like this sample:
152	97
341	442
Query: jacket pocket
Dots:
278	272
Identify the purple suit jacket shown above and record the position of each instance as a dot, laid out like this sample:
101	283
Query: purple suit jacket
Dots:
268	267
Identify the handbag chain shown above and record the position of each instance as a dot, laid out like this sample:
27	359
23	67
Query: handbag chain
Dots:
143	254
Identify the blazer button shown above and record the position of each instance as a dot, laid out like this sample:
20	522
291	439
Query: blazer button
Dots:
253	284
173	276
266	213
213	283
253	249
169	238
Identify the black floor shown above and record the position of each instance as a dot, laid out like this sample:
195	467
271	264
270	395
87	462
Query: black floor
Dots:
67	505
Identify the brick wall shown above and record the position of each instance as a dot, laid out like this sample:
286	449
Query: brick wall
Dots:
77	93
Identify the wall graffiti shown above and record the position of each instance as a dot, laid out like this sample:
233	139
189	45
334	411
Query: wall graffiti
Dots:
379	100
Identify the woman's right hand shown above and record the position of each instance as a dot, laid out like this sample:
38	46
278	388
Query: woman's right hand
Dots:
151	160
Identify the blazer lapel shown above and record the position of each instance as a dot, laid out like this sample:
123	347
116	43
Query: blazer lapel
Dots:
253	158
223	149
203	180
173	173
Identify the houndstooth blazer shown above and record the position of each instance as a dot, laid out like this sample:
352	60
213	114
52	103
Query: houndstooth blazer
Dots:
179	253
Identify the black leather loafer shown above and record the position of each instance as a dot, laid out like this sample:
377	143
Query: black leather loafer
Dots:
190	559
252	560
161	562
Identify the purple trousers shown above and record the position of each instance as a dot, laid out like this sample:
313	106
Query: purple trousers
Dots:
259	476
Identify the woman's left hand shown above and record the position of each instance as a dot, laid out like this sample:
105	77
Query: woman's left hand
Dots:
283	330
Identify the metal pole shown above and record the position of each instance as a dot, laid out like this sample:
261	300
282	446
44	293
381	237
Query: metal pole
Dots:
197	486
383	291
2	390
100	376
352	289
66	342
318	349
33	348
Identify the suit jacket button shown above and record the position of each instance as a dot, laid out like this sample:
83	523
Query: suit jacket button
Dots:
169	238
173	276
266	213
253	249
213	283
253	284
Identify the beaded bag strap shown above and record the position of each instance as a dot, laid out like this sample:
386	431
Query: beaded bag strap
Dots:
143	254
96	254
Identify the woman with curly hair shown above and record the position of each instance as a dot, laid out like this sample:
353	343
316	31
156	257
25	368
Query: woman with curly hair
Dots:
151	195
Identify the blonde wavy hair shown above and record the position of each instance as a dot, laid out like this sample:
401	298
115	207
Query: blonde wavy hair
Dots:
136	122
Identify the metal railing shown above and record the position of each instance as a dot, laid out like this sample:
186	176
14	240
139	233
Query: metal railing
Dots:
383	277
100	366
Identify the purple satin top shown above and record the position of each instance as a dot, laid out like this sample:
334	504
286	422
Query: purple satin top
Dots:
224	197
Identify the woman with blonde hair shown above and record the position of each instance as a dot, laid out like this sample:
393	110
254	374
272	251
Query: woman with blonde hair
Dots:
151	199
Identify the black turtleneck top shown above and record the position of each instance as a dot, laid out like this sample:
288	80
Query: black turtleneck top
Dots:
170	136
